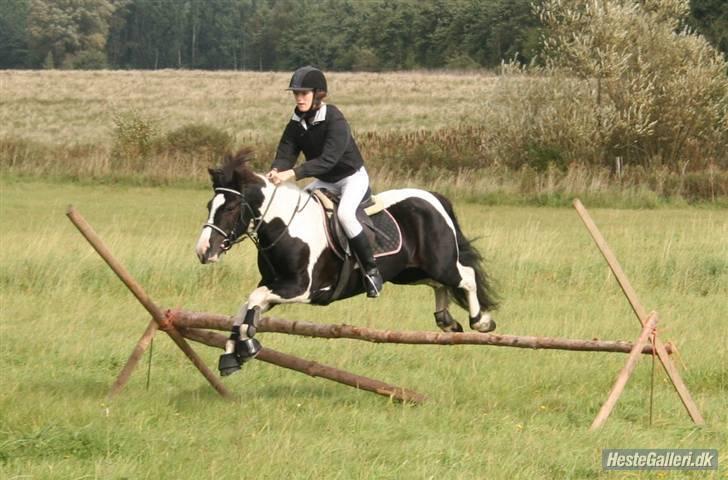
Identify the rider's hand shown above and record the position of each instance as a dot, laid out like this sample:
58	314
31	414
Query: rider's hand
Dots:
277	177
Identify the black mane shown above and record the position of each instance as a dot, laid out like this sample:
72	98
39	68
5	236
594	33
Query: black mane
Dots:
235	170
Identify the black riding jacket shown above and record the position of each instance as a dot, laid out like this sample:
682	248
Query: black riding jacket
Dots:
326	142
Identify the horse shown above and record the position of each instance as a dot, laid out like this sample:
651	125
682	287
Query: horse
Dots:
300	263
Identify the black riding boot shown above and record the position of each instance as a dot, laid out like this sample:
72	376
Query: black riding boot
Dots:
372	278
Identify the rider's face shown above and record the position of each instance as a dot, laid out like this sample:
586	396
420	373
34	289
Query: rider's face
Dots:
304	100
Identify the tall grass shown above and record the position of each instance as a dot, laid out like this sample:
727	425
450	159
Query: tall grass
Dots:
433	129
67	326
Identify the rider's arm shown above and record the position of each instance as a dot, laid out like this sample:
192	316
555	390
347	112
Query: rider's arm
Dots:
288	150
336	142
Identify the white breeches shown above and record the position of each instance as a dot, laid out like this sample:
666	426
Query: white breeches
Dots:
352	190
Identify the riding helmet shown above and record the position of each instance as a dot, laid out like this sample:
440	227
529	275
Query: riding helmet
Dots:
308	78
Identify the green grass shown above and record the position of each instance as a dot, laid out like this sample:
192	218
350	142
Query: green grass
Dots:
67	326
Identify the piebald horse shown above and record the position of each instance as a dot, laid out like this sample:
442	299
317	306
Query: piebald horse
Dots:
298	262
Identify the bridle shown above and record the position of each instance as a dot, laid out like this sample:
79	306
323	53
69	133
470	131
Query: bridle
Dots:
234	237
230	239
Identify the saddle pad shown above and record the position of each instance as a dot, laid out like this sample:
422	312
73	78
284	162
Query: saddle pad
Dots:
387	236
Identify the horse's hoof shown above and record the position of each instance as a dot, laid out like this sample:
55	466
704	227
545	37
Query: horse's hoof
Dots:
446	323
247	349
228	364
483	323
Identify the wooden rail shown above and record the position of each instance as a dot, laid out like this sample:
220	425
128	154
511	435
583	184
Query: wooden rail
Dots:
187	319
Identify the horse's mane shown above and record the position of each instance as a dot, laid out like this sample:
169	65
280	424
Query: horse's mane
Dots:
235	170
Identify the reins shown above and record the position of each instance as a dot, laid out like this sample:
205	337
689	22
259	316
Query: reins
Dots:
233	238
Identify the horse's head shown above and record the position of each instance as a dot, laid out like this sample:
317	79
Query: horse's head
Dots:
234	208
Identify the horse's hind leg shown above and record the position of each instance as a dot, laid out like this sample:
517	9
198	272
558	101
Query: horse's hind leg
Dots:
443	319
479	321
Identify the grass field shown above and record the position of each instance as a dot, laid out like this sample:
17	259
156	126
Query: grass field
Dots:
454	132
67	326
77	106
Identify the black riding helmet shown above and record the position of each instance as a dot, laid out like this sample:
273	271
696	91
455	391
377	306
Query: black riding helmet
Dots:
308	78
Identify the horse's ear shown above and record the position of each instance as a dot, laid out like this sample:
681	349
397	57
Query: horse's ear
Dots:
214	173
217	176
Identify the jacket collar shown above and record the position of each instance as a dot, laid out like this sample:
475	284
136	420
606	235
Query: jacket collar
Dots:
318	118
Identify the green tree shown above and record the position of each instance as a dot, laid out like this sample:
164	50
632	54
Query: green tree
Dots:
13	33
219	35
68	29
710	17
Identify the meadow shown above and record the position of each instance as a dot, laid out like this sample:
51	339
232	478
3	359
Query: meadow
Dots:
67	326
455	132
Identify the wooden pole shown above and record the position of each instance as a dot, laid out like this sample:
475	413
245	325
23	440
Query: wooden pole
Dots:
136	355
311	368
625	373
640	312
148	304
186	319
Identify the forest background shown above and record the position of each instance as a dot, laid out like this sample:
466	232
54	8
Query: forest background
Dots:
553	98
368	35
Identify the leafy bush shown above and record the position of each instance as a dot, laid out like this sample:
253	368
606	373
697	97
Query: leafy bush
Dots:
199	139
87	60
462	61
134	140
365	60
622	79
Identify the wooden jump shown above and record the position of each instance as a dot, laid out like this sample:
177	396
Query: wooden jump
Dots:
183	325
186	319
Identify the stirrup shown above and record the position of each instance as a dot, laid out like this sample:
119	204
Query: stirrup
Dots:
373	283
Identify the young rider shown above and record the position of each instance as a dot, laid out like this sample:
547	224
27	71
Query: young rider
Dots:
321	132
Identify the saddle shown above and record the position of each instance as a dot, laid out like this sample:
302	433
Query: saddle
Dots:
380	227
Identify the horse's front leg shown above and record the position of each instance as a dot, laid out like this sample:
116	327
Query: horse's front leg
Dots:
242	346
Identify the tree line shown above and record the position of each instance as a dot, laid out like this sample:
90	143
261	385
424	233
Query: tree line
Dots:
367	35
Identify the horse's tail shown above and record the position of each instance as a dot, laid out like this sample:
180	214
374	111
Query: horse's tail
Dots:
470	257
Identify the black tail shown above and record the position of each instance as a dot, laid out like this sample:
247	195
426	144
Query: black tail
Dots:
470	257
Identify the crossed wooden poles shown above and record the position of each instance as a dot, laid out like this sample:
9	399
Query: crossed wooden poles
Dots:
181	325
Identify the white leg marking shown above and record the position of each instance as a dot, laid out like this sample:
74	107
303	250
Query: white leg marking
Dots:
485	323
467	274
264	298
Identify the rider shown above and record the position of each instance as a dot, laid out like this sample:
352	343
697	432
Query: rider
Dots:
321	132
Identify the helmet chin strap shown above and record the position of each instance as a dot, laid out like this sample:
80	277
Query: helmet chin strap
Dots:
315	101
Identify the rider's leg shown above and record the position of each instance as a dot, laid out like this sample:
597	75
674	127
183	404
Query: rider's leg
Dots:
353	189
319	184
